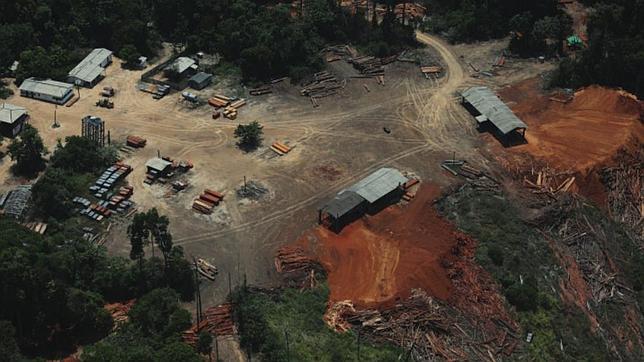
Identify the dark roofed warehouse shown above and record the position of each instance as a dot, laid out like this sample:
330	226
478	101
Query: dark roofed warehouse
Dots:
365	193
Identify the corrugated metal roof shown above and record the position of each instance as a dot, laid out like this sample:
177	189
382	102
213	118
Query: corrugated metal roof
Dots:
201	77
342	203
378	184
17	201
46	86
10	113
158	164
489	105
90	67
181	64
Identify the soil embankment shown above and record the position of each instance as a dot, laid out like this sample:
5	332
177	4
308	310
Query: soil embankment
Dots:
379	259
582	136
578	135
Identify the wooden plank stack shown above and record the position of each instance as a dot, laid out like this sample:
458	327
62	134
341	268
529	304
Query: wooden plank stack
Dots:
230	111
432	69
136	141
206	202
280	148
219	101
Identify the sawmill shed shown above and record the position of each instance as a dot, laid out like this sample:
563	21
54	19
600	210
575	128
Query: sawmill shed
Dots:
374	191
489	110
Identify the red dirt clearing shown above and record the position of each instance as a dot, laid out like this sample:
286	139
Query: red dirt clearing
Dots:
379	259
579	135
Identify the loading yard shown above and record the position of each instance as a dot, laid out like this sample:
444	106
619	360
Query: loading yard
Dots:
338	143
323	143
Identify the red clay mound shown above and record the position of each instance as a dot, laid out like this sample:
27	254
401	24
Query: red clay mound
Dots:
379	259
580	134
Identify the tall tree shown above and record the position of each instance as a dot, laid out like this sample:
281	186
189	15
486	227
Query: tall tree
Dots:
249	135
138	234
204	344
28	150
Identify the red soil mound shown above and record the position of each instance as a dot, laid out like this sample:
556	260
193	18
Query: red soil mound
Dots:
379	259
580	134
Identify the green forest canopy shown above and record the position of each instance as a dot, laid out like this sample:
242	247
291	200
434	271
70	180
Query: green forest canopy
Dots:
264	40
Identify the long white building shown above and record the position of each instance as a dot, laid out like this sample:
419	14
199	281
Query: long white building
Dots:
47	90
90	70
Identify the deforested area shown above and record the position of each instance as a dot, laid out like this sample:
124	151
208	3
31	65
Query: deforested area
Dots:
321	180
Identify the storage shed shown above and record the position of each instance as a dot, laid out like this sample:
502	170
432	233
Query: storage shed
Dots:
12	119
47	90
379	188
200	80
183	66
487	108
158	167
90	70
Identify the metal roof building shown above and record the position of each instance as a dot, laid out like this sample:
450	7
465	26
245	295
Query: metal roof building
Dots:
378	184
157	165
10	113
492	109
200	80
46	90
365	192
343	203
181	64
17	201
89	70
12	119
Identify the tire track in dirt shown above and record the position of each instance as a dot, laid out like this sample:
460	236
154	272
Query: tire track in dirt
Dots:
301	204
439	103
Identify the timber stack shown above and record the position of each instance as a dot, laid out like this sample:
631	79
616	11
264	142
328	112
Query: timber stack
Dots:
369	66
324	84
207	201
265	89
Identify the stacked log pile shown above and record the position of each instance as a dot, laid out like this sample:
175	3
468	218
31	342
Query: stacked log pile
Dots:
369	66
324	84
220	320
217	321
261	90
292	258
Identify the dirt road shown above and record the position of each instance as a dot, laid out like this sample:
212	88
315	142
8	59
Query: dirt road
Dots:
345	133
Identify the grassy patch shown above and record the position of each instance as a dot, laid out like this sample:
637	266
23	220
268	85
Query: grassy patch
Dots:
265	320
